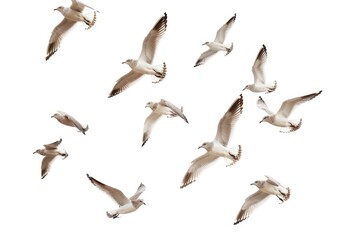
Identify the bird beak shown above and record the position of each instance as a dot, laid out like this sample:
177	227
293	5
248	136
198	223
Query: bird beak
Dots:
244	88
55	9
251	184
34	152
200	147
203	44
144	203
123	62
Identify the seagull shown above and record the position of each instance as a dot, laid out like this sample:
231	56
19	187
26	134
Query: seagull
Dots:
218	147
68	120
71	15
158	109
266	188
126	205
258	72
281	118
143	65
50	152
218	43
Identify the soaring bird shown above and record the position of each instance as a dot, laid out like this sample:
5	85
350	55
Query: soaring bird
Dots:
281	118
126	205
260	84
218	43
72	15
266	188
218	147
163	107
50	152
143	65
70	121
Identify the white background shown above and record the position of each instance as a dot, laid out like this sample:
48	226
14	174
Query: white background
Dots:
312	46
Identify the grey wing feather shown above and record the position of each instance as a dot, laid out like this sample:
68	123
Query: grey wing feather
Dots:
114	193
289	105
148	125
197	166
45	165
262	105
124	82
53	145
76	123
221	33
174	109
258	66
204	57
79	6
56	36
228	121
250	204
151	40
272	181
138	192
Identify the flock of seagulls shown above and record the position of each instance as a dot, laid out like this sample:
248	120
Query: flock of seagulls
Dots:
218	148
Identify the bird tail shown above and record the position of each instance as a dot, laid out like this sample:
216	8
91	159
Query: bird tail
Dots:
272	87
160	72
235	153
90	22
229	49
295	125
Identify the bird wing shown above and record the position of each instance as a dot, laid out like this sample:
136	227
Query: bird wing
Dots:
56	36
174	109
138	192
116	194
71	119
204	57
124	82
197	166
221	33
53	145
258	66
45	165
289	105
272	181
262	105
250	204
79	6
148	125
228	121
151	40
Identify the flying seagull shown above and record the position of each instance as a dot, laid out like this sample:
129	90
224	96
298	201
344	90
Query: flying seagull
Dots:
50	152
126	205
281	118
68	120
71	15
158	109
266	188
218	147
260	84
143	65
218	43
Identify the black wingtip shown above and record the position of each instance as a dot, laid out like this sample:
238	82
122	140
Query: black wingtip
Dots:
237	222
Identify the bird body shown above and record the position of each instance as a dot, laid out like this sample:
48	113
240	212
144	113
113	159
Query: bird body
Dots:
70	121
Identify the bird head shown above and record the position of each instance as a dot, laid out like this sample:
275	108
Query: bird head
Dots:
265	119
206	145
60	9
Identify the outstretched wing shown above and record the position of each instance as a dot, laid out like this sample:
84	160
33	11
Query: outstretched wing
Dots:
250	204
258	66
148	125
151	40
204	57
57	35
175	109
221	33
79	6
138	192
124	82
45	165
228	121
262	105
197	166
289	105
53	145
116	194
